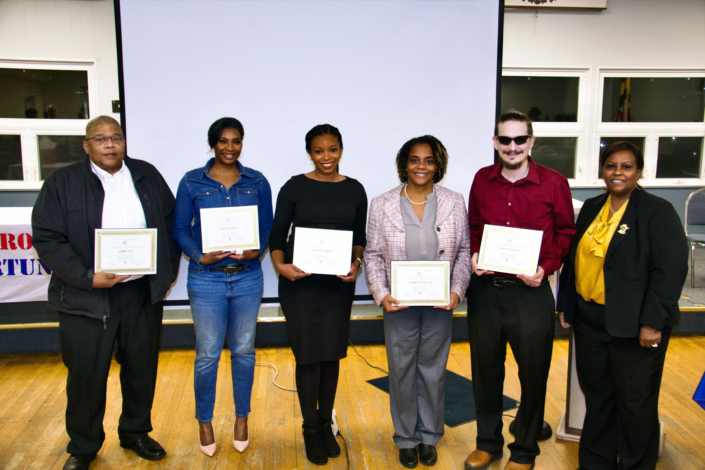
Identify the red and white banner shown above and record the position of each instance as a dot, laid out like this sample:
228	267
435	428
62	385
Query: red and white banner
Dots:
23	277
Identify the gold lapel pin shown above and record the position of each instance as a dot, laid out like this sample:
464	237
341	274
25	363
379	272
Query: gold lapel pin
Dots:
623	229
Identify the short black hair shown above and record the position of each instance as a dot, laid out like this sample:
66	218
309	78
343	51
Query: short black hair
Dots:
323	129
99	121
514	115
217	128
440	157
623	146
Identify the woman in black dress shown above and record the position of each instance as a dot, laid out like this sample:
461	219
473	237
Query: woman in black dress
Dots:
317	307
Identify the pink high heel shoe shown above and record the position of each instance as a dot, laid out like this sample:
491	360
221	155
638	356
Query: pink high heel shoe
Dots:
209	449
240	446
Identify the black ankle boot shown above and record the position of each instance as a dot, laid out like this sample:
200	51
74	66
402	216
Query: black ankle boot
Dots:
329	441
315	450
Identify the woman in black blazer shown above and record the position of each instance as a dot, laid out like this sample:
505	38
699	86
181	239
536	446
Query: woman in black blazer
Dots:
619	290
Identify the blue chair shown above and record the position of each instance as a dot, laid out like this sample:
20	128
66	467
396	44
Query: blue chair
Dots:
694	215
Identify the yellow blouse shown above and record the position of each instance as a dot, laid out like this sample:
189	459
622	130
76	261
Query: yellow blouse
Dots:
590	256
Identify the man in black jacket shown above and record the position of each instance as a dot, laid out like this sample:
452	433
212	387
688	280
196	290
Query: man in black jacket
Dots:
99	310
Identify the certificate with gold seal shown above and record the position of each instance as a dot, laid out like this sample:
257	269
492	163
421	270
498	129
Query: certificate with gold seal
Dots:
510	250
421	283
126	251
233	228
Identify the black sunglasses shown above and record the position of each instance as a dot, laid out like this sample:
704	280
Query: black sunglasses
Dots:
519	140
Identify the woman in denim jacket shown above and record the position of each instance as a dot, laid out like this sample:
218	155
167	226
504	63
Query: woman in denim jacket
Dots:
225	289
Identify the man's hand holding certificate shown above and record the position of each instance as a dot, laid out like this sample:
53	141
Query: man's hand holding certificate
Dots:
126	251
509	250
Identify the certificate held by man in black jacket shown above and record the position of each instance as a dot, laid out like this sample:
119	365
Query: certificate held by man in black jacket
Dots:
97	308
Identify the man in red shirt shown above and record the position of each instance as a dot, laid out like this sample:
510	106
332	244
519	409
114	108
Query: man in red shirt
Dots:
519	309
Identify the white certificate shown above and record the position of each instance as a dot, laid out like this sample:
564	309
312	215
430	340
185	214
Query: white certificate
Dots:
230	229
510	250
322	251
418	283
126	251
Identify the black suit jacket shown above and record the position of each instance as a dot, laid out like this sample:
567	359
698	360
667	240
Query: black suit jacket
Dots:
68	210
644	269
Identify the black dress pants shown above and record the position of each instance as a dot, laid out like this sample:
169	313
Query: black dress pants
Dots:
87	346
524	317
621	382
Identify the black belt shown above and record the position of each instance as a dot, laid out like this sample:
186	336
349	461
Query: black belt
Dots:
499	281
228	269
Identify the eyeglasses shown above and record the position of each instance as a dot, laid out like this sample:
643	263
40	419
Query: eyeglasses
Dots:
519	140
104	139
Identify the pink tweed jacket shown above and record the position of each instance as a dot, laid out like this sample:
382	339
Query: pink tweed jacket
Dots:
386	240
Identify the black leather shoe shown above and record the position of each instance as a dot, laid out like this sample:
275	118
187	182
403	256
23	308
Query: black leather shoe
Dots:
145	447
313	441
329	441
79	462
427	454
408	458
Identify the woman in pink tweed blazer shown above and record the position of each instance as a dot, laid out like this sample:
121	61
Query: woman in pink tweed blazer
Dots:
418	220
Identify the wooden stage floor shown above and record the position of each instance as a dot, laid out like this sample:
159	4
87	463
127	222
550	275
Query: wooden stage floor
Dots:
32	405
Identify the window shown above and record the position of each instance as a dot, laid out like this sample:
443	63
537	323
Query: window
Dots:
56	151
44	108
43	94
555	100
543	99
557	153
10	158
653	99
578	112
679	157
663	112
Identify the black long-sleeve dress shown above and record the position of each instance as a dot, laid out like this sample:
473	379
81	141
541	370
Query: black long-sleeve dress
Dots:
317	308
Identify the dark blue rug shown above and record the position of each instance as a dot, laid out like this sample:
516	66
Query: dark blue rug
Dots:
460	400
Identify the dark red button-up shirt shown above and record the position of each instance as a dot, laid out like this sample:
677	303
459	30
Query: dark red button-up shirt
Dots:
541	201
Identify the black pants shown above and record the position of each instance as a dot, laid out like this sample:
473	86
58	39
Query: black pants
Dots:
87	347
621	382
524	317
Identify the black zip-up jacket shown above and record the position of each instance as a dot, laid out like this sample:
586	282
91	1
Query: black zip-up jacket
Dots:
68	210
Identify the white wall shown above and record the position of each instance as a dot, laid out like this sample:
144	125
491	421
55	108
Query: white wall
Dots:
630	33
64	30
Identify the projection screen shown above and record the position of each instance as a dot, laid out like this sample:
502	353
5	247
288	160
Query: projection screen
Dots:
381	71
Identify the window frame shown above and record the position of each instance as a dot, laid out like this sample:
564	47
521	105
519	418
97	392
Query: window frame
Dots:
589	129
576	129
651	130
30	129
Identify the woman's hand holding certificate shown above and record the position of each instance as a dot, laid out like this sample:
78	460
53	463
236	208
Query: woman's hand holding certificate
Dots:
233	228
421	283
322	251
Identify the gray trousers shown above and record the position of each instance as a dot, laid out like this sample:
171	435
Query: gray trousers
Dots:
418	344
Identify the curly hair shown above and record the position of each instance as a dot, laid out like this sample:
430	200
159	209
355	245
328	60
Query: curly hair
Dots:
440	157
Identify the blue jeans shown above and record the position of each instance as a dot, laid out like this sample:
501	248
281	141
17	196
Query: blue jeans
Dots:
224	304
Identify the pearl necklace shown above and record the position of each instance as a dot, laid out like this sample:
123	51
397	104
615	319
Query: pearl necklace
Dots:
412	202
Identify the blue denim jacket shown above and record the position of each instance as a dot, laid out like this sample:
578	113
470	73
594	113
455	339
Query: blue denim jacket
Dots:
198	190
